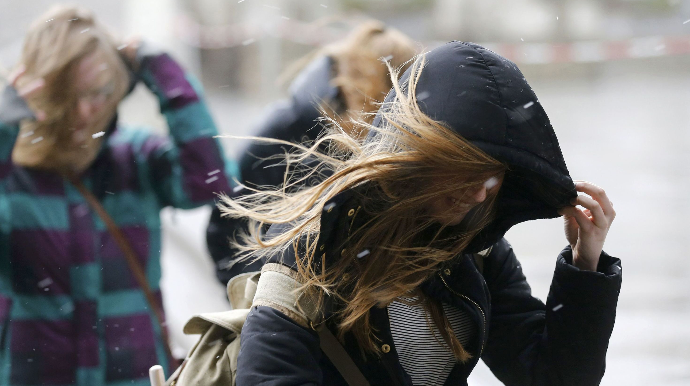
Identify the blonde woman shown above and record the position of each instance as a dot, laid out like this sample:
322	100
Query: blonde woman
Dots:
71	312
348	78
400	252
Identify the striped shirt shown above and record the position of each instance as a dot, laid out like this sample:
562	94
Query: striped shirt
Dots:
423	353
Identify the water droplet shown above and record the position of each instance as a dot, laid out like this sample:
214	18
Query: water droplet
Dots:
212	179
36	140
528	105
490	183
45	282
174	93
363	253
248	42
214	172
98	135
558	307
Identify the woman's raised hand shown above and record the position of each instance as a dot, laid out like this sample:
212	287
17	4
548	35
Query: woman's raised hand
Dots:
128	50
586	229
27	90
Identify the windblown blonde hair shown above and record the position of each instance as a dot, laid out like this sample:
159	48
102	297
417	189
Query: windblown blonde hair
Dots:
411	161
53	47
361	71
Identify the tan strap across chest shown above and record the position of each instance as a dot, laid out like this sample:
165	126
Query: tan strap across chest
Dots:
278	288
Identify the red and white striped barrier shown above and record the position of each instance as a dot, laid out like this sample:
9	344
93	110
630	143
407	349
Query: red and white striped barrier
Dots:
215	37
593	51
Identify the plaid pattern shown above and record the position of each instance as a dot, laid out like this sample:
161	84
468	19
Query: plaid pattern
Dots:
71	312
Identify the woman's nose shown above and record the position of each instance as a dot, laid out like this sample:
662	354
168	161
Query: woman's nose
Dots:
86	109
480	195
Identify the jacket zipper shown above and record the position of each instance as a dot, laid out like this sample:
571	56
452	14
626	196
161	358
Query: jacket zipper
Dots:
481	351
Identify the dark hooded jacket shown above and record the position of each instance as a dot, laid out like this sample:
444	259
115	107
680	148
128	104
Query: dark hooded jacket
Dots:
483	97
295	120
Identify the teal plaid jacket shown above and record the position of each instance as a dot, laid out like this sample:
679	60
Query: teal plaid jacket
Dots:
71	313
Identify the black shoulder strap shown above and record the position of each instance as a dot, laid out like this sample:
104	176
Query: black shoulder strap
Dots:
340	358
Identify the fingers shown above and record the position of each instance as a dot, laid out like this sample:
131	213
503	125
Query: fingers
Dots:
27	90
598	194
570	227
595	210
31	88
129	49
16	74
580	217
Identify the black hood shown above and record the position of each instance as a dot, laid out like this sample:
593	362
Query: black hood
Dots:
485	98
313	85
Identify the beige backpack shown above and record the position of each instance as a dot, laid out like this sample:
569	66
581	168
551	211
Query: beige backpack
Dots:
213	360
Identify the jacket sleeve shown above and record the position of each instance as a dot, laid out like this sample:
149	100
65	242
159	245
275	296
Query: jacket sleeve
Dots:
8	136
275	351
561	343
12	110
218	235
188	168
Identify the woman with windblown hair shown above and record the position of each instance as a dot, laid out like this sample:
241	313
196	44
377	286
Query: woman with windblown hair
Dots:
400	252
348	79
71	311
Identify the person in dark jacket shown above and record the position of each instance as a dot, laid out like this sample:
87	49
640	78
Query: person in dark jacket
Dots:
347	78
400	252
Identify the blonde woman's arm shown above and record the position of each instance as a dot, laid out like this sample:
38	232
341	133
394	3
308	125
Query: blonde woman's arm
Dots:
188	168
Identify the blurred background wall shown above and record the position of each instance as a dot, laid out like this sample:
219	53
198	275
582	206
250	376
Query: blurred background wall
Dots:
613	75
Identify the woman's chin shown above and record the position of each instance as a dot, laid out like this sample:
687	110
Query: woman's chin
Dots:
453	220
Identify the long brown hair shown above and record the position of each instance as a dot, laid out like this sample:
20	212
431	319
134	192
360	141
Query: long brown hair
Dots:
361	71
411	161
53	46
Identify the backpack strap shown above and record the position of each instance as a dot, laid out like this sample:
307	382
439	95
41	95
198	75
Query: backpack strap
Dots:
342	361
278	288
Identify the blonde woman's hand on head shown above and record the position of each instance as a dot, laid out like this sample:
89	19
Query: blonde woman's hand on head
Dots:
129	49
586	229
27	90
